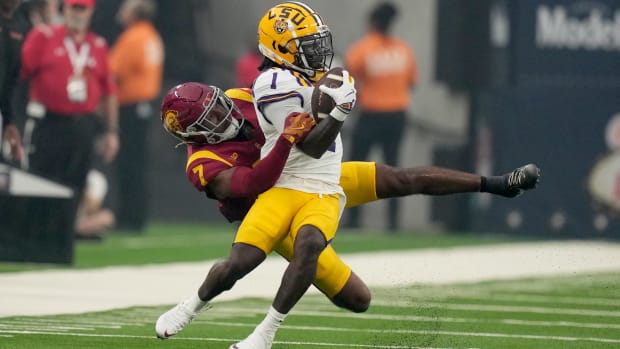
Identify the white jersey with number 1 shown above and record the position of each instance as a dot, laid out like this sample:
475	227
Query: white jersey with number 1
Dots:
277	93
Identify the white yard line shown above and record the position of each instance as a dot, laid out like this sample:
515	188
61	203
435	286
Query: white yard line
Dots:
304	344
431	332
608	302
77	291
332	345
413	318
500	308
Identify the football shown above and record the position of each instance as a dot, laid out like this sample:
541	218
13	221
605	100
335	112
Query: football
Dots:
322	103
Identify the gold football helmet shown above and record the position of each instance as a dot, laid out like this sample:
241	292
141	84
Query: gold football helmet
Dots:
294	35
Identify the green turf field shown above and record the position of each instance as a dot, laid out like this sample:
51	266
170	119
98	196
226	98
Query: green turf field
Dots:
570	312
551	313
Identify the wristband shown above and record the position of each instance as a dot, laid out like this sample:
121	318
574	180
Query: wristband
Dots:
338	114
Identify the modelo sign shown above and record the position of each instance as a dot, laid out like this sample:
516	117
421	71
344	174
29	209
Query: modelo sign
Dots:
563	43
598	29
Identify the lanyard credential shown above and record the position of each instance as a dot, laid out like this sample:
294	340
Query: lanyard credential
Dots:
77	88
78	59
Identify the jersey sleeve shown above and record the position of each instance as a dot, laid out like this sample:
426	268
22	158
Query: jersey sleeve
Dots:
203	166
279	92
32	50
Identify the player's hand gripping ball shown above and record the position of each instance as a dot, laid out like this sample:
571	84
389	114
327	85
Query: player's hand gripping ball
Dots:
334	94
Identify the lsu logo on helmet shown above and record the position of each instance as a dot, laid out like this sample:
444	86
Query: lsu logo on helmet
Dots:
280	26
294	35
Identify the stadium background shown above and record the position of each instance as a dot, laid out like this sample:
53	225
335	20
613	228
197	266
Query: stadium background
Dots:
502	83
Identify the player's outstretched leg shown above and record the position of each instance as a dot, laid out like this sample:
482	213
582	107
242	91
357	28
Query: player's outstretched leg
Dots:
430	180
222	276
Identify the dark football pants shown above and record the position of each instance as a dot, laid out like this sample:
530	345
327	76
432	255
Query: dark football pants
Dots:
61	149
132	162
383	129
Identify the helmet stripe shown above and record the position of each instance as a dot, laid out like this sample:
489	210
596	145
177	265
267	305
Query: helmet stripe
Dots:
317	18
304	6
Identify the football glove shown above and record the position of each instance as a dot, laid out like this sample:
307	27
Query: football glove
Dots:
297	126
344	97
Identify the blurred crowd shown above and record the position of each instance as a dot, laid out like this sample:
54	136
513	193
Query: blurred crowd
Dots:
85	107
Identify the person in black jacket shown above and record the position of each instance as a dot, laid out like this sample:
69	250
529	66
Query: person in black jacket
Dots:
13	30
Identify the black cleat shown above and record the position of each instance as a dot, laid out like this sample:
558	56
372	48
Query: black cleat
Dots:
521	179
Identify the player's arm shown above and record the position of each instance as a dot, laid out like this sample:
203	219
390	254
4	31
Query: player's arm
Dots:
241	181
325	133
321	138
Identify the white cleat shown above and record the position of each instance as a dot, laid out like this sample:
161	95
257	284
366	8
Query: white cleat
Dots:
174	320
254	341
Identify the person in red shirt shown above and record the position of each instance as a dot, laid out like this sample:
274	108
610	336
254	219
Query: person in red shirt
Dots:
69	80
246	67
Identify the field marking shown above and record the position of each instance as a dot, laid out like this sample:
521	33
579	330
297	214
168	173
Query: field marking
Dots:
522	336
98	324
6	335
500	308
416	318
432	332
43	327
319	344
572	282
609	302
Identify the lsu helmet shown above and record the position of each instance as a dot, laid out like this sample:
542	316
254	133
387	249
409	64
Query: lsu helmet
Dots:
197	113
294	35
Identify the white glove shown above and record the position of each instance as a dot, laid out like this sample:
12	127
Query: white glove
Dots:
344	97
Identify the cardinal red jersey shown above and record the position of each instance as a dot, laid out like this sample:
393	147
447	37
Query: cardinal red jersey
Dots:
206	161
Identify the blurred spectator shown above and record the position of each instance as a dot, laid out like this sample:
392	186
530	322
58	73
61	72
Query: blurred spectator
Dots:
36	11
43	12
136	60
13	30
92	218
69	79
246	68
385	71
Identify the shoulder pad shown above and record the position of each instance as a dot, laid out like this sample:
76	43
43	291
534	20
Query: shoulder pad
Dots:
244	94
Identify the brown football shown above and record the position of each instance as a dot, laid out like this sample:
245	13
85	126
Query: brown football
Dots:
322	103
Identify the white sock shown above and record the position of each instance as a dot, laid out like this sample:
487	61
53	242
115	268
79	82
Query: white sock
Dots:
268	327
194	303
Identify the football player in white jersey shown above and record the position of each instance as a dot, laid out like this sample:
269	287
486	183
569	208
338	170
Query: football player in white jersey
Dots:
300	213
305	203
